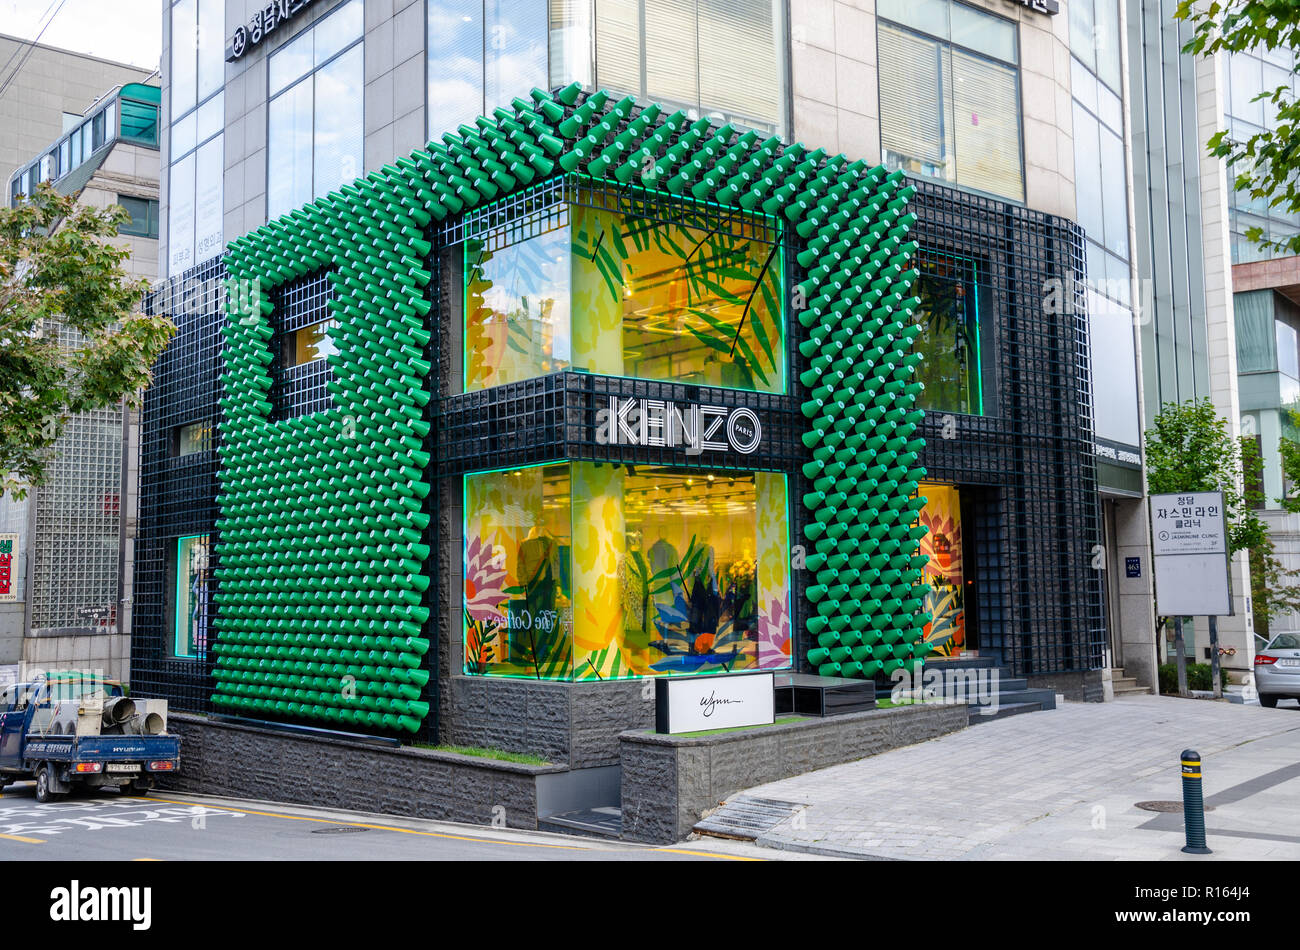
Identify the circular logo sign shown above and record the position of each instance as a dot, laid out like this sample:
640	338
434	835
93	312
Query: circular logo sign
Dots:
743	430
239	42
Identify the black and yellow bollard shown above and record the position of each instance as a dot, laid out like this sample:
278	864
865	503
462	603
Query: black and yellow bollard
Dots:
1193	804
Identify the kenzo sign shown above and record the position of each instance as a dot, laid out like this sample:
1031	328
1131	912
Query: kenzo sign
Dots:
694	427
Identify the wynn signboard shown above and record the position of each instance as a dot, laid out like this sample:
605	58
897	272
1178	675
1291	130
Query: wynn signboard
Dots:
696	703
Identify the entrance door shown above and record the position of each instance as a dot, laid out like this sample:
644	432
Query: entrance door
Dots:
945	573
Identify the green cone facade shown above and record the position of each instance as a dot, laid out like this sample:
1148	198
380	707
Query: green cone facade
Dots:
864	470
323	565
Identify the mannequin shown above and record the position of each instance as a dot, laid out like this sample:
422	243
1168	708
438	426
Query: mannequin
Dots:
662	554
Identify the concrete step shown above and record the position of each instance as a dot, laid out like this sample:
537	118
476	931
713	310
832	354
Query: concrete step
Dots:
1004	710
601	822
960	662
1132	690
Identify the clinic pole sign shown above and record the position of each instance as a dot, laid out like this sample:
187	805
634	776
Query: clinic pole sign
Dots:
8	558
265	21
1189	545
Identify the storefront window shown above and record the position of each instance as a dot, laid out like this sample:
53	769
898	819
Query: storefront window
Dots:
596	572
193	596
950	336
695	299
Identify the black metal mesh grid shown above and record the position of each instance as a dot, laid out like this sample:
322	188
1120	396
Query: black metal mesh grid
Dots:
560	417
177	494
299	390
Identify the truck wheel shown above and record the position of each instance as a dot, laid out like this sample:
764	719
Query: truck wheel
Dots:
141	786
43	793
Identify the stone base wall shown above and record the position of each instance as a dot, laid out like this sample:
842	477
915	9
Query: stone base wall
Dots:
244	761
670	781
1085	687
573	724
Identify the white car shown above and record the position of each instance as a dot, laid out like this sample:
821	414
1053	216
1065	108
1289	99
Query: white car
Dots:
1277	669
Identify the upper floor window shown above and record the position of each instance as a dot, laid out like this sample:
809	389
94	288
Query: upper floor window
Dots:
482	54
144	216
601	282
301	344
950	95
315	116
196	161
718	57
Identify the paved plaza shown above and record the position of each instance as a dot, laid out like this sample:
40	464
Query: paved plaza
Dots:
1061	784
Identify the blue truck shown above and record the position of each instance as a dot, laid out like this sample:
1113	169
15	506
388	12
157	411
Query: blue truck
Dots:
69	730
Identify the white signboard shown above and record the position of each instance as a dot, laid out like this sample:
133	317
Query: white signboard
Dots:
720	701
1190	543
1188	523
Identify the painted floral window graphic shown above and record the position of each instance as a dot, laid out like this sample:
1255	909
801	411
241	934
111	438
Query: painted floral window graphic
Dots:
942	545
669	572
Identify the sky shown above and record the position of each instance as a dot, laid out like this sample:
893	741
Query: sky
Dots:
127	31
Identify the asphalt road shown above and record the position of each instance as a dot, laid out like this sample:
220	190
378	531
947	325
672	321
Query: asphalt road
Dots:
162	826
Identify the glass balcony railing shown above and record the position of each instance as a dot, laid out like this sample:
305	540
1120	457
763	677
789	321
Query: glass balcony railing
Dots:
128	114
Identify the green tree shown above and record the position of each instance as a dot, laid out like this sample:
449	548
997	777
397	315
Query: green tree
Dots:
61	277
1265	164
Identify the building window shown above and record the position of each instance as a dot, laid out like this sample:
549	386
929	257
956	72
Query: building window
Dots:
191	439
196	170
301	344
713	56
950	335
140	122
144	216
314	120
720	57
688	296
309	343
596	572
950	95
482	54
193	601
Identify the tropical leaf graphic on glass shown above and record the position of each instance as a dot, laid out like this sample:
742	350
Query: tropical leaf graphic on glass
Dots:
718	289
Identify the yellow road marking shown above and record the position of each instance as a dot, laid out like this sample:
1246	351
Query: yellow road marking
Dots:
22	839
358	824
711	854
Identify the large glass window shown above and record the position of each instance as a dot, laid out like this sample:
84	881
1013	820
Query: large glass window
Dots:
482	54
950	95
593	572
721	57
315	116
713	56
1249	74
685	296
193	598
196	172
950	335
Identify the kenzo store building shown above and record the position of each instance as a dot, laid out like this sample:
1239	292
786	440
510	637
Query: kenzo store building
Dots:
593	390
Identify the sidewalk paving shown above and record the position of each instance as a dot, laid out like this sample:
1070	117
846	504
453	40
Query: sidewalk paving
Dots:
1061	784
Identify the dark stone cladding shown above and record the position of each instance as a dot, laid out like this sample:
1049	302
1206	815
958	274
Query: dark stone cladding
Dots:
245	761
670	781
574	723
1082	687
